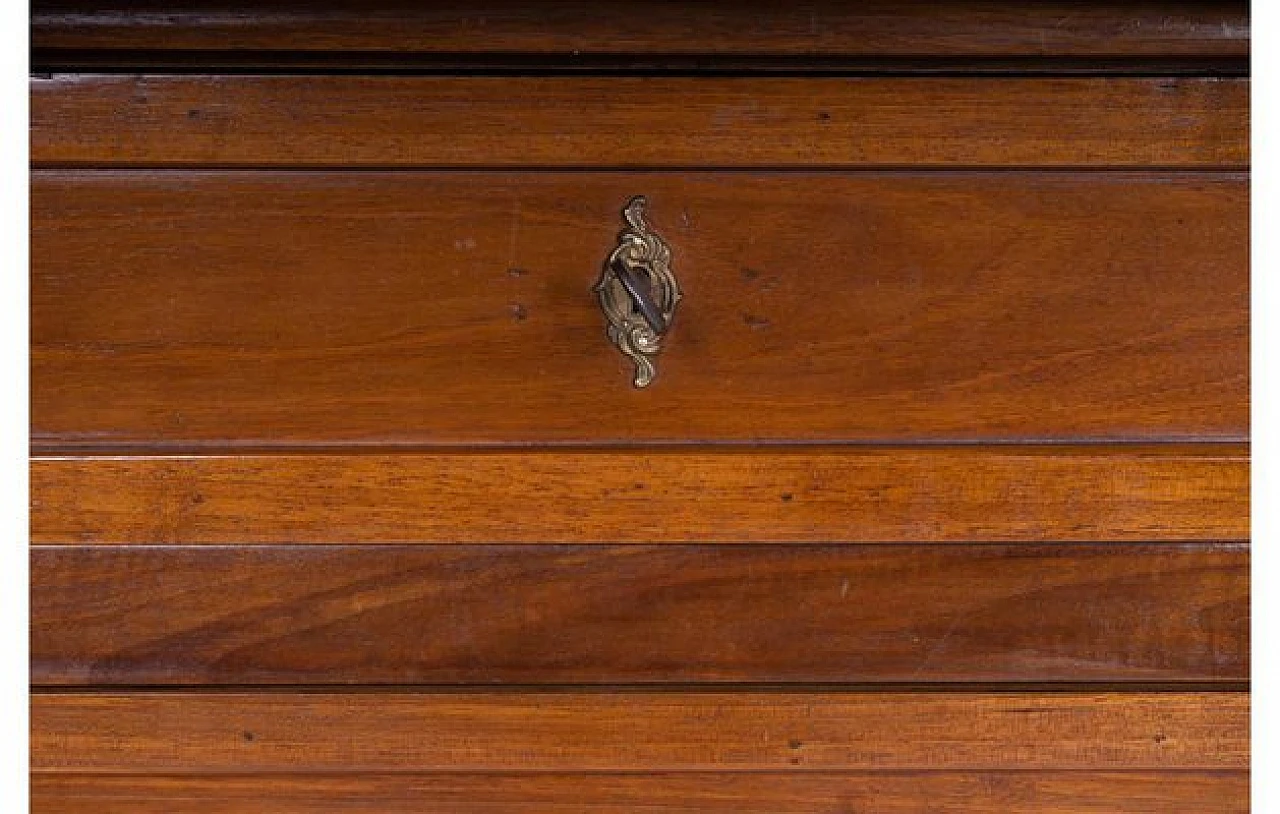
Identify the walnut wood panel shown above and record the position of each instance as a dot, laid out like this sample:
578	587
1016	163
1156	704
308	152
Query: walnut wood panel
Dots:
824	792
575	27
640	614
1092	493
638	731
650	122
410	308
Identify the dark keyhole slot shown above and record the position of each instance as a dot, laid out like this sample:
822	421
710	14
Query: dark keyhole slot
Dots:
638	281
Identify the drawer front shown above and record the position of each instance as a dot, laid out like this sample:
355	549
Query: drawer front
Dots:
1045	791
1042	493
660	122
407	308
743	731
336	614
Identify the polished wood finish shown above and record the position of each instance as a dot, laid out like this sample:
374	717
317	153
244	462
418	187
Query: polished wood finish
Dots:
808	792
343	502
920	494
570	28
636	731
126	120
638	614
265	308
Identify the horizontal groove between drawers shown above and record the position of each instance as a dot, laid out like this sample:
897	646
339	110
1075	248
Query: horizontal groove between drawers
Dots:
48	61
1208	446
687	169
687	688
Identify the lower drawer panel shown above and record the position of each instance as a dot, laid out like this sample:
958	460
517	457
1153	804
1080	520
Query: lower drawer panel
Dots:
530	614
949	494
369	731
954	792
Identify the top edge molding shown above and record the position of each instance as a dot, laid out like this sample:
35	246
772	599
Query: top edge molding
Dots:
688	33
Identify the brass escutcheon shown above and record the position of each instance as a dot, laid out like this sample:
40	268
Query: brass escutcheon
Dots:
638	293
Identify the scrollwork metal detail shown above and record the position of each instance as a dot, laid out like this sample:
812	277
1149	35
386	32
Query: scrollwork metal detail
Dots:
638	292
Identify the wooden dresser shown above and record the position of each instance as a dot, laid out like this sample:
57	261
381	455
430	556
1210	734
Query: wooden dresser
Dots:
675	406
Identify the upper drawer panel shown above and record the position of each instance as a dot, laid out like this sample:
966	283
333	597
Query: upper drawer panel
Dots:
420	308
662	122
577	28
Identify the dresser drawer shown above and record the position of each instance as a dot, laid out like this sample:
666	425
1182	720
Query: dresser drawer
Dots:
256	121
729	494
542	614
431	307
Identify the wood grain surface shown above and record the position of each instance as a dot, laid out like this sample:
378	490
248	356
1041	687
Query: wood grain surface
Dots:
442	308
575	27
418	121
638	614
342	501
811	494
808	792
638	731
